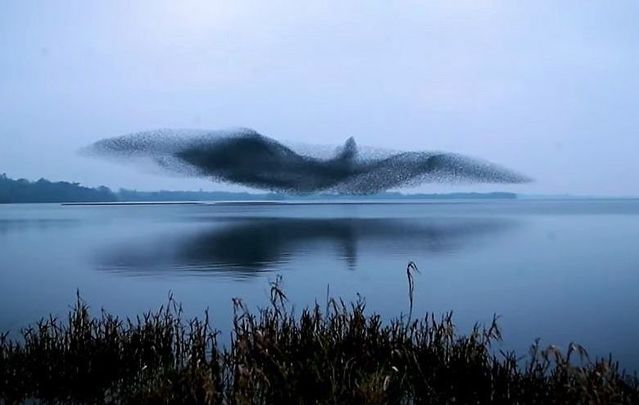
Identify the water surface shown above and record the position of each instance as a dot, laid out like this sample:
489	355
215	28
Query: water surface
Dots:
560	270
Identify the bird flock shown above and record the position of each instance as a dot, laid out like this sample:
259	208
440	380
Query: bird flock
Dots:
245	157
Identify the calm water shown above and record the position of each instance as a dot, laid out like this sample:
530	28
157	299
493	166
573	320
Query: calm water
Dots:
559	270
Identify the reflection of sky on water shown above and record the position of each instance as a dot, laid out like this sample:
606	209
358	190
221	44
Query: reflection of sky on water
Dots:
20	224
243	247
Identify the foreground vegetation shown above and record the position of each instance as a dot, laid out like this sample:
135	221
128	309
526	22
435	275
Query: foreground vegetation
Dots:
334	354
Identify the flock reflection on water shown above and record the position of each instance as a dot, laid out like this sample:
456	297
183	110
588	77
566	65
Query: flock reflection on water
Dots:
242	247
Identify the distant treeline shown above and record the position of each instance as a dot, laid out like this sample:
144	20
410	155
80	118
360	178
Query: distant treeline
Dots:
133	195
45	191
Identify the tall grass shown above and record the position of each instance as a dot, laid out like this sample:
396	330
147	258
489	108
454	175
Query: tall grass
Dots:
339	355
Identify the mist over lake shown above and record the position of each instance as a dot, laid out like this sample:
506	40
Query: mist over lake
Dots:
560	270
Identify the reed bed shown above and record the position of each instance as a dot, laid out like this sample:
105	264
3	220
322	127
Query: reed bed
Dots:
336	353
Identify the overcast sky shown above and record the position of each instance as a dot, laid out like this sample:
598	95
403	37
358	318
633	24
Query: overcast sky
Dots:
549	88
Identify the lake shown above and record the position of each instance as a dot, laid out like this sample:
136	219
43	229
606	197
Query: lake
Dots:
560	270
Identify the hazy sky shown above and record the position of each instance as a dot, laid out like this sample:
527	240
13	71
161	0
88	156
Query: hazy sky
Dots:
550	88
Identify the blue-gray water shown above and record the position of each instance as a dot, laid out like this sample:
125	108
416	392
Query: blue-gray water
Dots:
559	270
